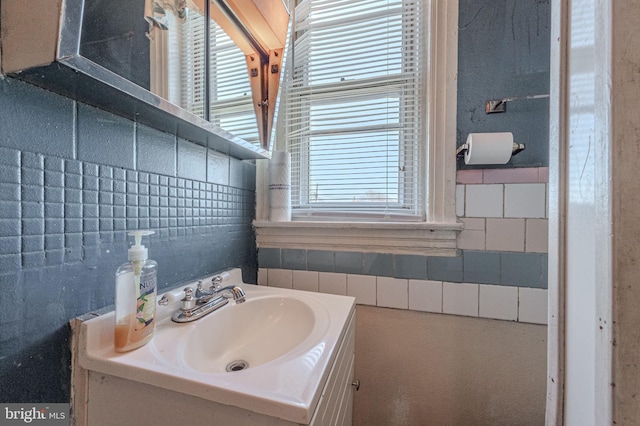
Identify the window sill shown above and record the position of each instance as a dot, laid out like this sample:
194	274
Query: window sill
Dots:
431	239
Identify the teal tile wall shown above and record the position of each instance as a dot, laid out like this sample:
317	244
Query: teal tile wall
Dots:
73	181
469	266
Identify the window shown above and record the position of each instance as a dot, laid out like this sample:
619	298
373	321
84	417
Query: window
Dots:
370	109
355	114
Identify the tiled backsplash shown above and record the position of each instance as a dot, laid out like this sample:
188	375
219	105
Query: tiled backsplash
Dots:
73	181
58	211
63	233
469	299
500	271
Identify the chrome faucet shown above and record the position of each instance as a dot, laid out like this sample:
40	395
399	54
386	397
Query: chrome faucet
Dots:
203	296
196	304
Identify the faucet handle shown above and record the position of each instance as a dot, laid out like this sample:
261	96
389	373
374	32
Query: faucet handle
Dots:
189	302
216	282
201	292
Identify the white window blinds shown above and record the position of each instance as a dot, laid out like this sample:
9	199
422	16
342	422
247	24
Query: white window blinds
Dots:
354	109
178	58
192	63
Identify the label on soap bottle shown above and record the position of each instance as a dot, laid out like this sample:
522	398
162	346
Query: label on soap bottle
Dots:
145	307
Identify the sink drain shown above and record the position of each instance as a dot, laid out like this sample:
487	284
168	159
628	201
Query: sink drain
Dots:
237	365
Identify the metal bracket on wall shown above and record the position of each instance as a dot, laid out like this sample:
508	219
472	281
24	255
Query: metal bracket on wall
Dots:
500	105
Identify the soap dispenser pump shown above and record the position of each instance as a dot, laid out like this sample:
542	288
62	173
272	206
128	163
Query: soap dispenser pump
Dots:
136	287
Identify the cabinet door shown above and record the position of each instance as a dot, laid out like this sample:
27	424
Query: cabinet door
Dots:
336	402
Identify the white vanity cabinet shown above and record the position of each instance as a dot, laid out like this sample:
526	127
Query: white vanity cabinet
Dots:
336	402
139	388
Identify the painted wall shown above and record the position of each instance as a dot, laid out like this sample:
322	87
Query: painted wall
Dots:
503	52
73	181
455	371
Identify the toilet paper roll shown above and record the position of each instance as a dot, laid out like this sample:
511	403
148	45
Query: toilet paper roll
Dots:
280	187
488	148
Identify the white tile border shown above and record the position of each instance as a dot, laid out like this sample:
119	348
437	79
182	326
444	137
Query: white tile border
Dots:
460	299
525	200
306	280
484	200
392	292
263	276
282	278
537	235
498	302
508	303
425	295
491	202
333	283
460	200
473	236
504	234
532	305
363	288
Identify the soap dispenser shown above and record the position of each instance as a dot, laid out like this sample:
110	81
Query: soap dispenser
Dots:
136	284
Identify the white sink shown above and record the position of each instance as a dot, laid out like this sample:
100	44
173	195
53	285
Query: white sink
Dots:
281	341
258	331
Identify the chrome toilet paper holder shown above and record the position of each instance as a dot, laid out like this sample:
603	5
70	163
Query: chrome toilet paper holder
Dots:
517	148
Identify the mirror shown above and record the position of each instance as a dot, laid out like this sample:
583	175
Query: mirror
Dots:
160	62
160	45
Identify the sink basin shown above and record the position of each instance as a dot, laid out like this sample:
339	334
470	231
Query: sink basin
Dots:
270	354
248	335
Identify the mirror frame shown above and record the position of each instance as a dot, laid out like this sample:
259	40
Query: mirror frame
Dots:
43	48
261	31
